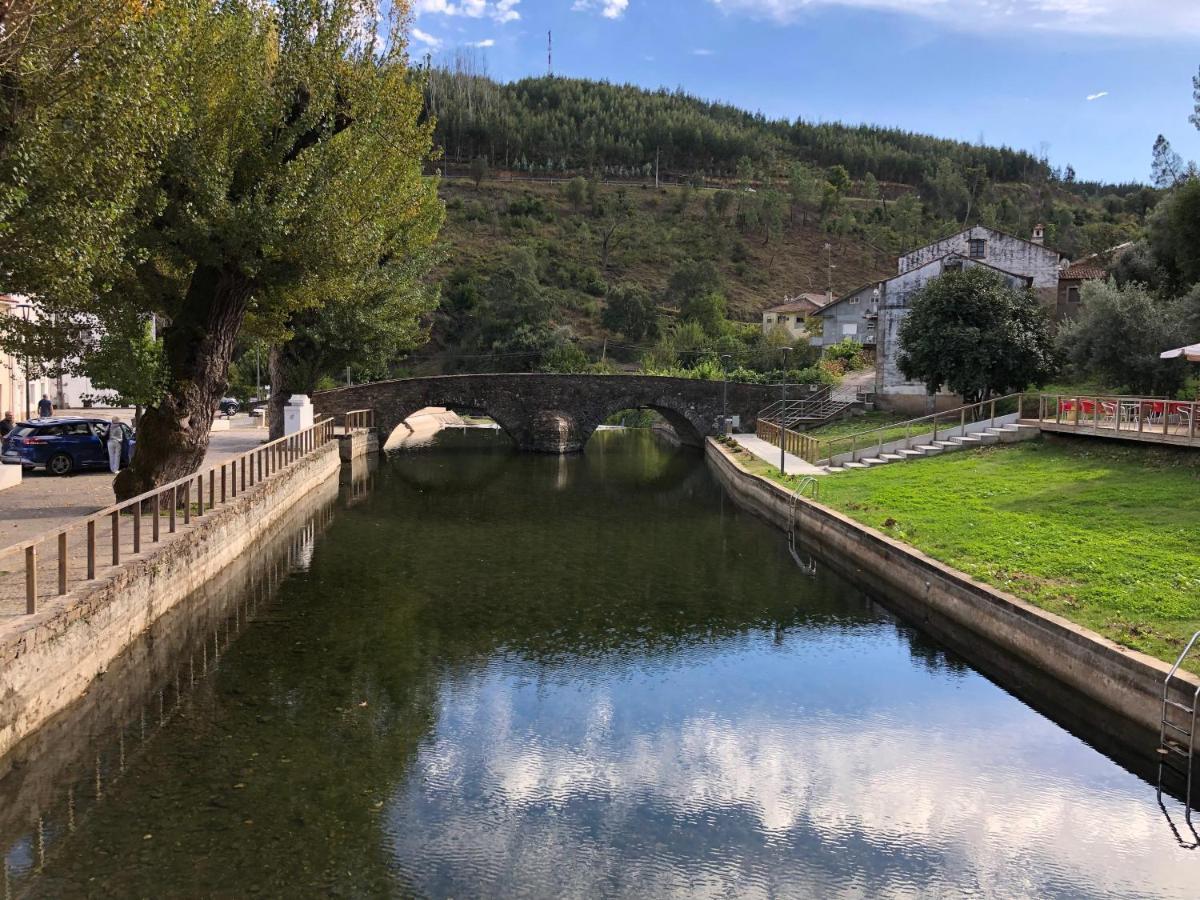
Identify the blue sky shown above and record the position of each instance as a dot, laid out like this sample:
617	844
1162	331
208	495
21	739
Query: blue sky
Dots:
1016	72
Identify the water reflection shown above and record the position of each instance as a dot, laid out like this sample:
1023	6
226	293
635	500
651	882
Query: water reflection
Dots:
586	676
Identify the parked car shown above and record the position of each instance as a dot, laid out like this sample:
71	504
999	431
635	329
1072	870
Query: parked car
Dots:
63	444
229	406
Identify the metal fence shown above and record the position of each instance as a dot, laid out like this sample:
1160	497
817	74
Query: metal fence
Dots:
71	554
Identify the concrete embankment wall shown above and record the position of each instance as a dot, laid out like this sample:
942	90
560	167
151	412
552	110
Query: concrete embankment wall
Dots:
1006	637
50	659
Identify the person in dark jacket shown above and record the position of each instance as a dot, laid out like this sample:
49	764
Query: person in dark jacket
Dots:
45	407
7	424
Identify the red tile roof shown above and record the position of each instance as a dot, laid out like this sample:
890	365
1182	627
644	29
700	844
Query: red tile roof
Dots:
1082	272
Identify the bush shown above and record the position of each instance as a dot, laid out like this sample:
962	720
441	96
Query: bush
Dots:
848	352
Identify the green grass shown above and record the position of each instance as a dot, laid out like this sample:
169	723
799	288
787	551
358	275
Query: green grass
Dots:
1103	535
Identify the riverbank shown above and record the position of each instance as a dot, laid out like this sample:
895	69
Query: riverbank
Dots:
956	607
1101	534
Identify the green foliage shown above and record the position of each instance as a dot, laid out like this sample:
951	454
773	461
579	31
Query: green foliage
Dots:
705	310
1174	233
575	191
630	311
1118	336
849	352
129	362
479	170
566	359
969	331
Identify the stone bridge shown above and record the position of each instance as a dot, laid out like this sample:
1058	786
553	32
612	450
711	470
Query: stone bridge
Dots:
552	413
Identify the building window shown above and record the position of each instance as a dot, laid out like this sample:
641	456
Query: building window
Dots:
770	320
1072	295
854	299
978	248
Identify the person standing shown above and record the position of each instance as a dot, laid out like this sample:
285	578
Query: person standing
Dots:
45	407
7	424
115	444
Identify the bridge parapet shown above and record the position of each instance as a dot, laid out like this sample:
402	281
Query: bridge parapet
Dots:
552	413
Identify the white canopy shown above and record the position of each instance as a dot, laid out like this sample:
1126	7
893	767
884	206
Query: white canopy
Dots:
1191	353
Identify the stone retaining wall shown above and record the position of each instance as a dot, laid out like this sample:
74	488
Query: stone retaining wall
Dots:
48	660
1004	636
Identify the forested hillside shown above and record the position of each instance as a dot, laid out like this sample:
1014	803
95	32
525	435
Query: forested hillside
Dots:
551	201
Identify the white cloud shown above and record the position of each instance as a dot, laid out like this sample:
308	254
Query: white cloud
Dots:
610	9
424	37
1144	18
1097	95
487	42
500	11
702	51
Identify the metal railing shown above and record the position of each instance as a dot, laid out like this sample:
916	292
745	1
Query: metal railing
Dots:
196	495
824	449
1173	421
359	420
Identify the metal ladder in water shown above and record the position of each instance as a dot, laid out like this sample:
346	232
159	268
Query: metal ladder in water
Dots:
1171	735
809	568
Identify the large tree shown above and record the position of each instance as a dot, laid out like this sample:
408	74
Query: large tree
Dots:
283	169
972	333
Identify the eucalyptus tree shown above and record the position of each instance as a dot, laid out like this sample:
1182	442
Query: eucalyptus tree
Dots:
282	169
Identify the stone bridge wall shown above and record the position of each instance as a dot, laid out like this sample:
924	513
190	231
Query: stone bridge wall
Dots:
554	413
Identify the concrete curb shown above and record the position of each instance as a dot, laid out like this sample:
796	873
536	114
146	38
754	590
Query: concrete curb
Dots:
949	603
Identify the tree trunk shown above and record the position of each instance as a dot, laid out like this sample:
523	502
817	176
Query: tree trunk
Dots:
173	436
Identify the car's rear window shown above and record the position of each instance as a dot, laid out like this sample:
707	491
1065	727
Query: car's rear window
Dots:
51	430
21	431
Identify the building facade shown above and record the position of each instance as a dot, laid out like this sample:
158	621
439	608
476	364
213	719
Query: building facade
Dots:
792	315
853	316
21	385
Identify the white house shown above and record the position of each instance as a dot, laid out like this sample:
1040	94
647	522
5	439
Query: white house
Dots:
20	391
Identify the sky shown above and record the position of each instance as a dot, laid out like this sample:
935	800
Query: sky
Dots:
1090	82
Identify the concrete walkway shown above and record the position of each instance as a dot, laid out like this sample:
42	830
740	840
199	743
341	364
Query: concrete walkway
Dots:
770	453
43	502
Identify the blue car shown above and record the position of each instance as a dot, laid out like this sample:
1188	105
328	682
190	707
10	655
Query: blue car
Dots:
63	444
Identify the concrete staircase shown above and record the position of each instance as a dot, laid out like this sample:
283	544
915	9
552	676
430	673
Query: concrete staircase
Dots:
923	447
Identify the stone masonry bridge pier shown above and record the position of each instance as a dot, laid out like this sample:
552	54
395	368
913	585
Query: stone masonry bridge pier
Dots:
552	413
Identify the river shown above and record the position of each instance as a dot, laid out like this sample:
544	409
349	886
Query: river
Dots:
494	674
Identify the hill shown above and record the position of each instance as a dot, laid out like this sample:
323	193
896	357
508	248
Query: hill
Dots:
553	181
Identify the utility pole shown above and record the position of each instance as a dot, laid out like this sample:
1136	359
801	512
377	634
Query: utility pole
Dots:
550	53
725	393
829	266
782	408
657	154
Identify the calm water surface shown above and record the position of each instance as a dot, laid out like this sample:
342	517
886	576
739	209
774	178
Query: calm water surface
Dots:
508	675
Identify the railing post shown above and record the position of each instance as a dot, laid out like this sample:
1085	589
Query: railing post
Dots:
62	563
31	580
935	420
1075	403
116	538
174	507
154	511
199	495
1095	414
243	459
137	527
993	412
1141	408
212	486
1058	409
91	549
1192	424
222	483
187	502
1166	417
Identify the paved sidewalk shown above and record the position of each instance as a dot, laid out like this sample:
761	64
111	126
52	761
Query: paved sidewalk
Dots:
769	453
43	502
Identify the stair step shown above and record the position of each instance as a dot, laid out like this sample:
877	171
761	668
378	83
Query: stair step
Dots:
1182	707
910	453
875	461
946	445
1177	728
929	449
892	457
855	465
1172	747
834	470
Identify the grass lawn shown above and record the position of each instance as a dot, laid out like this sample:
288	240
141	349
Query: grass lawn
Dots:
1105	535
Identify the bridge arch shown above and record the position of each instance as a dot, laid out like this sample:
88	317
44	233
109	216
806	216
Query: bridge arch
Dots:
553	413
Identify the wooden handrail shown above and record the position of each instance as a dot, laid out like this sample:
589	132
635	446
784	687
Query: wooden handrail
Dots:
268	458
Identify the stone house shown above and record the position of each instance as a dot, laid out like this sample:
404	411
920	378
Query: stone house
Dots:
1020	263
792	313
1071	279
